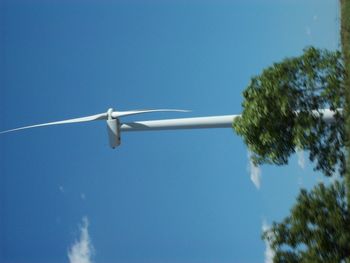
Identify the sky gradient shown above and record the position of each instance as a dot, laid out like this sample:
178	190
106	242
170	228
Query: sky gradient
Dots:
171	196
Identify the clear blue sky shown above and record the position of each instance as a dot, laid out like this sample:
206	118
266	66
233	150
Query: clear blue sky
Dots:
183	196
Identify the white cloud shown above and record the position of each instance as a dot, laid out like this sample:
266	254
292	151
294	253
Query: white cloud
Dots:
255	173
301	158
269	254
300	181
308	31
82	250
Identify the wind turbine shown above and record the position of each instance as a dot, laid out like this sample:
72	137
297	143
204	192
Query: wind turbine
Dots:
115	126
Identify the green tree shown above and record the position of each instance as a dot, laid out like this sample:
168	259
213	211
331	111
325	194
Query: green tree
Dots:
318	229
278	111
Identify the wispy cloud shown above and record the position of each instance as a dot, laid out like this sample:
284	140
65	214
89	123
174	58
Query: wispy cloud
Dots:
300	181
308	30
269	254
255	172
82	250
301	158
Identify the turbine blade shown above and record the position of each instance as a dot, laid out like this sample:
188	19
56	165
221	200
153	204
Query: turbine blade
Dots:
101	116
117	114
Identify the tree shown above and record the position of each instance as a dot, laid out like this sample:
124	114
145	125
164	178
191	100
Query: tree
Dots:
318	229
279	111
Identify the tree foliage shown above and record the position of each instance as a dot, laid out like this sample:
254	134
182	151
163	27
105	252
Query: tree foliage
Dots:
318	229
279	111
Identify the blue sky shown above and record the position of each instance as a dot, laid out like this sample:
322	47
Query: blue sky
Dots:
174	196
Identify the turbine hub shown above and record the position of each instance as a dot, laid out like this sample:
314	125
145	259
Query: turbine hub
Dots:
109	113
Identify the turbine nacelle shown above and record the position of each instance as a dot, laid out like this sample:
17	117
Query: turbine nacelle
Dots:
113	129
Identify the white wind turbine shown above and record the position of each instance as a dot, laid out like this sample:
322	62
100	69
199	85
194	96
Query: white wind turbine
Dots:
115	127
